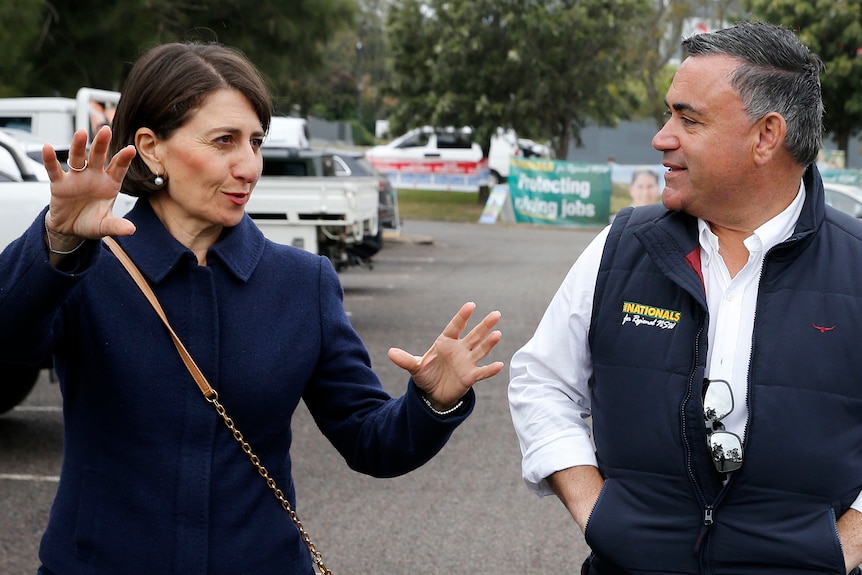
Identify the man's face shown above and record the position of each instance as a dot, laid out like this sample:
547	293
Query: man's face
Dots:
707	142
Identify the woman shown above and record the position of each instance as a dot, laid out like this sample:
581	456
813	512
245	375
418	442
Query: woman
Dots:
152	481
644	188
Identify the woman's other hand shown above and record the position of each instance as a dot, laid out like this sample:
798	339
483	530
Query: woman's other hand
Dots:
450	367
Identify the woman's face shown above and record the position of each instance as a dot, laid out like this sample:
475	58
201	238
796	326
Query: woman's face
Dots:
644	190
211	164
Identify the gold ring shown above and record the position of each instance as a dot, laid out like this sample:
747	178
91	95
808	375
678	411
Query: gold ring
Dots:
74	169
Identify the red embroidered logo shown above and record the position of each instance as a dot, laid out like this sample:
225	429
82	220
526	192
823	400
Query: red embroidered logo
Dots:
822	329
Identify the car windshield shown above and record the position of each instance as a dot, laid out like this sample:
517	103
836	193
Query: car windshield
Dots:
354	166
454	140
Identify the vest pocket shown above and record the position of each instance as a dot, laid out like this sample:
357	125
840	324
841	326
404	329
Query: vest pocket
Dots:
788	532
645	522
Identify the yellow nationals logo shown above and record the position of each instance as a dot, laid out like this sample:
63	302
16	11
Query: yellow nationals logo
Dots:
639	314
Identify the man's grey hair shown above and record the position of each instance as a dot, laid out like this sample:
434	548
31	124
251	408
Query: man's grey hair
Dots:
777	74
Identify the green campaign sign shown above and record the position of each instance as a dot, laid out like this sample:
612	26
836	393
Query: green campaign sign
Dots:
839	176
560	193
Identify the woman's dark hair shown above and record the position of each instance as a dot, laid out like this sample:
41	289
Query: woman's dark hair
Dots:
167	84
637	173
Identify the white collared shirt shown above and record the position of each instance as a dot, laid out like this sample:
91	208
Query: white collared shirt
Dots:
731	303
549	396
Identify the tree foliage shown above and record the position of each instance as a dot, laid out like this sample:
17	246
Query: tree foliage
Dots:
354	62
22	21
60	46
657	46
544	67
833	30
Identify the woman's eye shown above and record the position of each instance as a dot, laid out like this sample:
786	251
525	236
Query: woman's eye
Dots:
256	143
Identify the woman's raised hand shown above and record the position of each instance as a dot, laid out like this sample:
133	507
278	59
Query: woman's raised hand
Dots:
82	199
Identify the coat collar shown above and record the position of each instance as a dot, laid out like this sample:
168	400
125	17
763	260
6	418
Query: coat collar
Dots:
156	252
814	209
665	232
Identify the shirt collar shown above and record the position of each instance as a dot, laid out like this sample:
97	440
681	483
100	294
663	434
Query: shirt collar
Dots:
156	252
764	238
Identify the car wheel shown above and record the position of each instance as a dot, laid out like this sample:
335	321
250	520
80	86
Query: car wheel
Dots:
16	383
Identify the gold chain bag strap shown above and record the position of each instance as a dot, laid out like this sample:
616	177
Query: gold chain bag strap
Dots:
212	396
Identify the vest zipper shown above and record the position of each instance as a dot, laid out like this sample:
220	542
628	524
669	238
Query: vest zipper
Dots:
704	529
708	509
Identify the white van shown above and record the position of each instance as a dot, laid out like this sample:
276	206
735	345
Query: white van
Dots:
54	120
288	132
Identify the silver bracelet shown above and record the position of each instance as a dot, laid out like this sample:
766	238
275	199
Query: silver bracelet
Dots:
449	411
58	252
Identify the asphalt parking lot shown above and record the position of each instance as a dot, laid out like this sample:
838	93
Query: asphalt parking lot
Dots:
466	510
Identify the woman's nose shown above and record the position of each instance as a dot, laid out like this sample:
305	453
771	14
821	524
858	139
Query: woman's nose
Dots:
250	164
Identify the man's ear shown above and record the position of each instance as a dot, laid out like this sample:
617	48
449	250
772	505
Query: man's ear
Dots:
772	129
146	143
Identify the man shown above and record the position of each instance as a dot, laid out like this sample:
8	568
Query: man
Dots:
743	287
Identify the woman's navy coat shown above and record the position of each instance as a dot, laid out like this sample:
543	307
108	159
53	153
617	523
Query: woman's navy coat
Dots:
152	480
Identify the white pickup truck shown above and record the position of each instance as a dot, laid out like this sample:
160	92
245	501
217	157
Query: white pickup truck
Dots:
298	201
22	196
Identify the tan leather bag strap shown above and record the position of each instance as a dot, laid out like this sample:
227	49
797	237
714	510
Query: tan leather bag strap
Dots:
212	396
133	270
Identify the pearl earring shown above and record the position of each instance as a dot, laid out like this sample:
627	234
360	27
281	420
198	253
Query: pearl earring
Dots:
159	181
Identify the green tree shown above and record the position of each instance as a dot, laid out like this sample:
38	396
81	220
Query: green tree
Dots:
22	23
354	65
545	67
833	30
93	42
657	46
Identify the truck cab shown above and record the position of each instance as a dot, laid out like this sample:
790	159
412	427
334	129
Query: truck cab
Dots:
55	120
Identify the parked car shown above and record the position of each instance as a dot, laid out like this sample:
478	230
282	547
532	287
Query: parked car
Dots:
844	197
355	163
32	148
505	145
347	163
288	132
449	144
531	149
